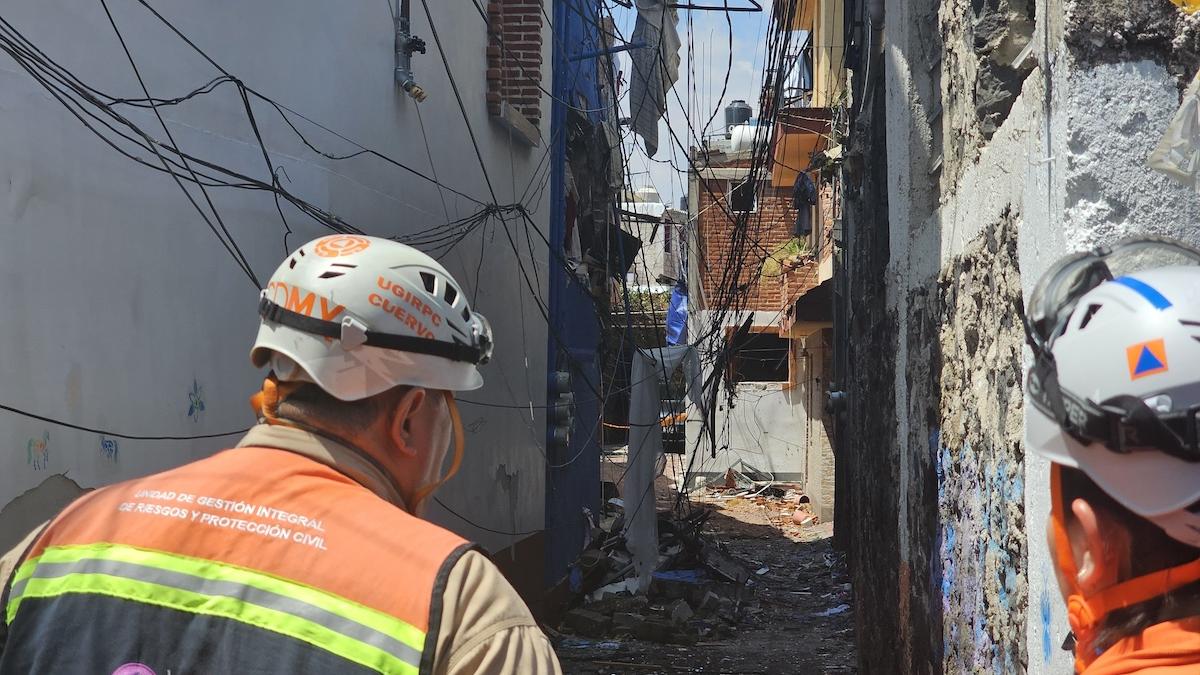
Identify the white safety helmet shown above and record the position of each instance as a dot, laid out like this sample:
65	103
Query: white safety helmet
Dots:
359	315
1115	384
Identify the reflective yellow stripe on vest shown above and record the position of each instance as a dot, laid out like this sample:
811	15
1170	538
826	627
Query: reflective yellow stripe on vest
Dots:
354	632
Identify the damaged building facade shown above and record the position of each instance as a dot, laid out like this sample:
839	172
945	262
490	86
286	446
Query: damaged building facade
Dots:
760	262
986	140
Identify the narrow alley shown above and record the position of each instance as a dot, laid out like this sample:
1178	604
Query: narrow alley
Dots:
616	336
792	614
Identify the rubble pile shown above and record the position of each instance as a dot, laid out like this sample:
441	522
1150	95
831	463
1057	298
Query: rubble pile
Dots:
699	591
783	501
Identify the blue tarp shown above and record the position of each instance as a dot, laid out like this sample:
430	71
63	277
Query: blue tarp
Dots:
677	317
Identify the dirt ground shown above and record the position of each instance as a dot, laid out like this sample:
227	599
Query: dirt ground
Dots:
800	620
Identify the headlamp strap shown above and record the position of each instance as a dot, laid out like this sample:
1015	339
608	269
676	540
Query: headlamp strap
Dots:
1121	423
350	328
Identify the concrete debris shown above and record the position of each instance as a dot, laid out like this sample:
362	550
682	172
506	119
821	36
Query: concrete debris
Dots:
580	643
626	621
627	587
698	591
587	622
680	611
708	622
724	564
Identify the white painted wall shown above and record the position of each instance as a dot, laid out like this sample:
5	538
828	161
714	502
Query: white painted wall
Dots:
116	296
1105	120
766	428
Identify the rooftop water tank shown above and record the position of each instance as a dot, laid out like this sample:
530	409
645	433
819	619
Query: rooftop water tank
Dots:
744	137
646	195
737	112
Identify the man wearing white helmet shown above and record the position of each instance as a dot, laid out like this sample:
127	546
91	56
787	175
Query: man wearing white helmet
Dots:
1115	406
299	550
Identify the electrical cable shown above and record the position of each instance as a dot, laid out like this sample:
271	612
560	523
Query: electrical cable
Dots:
477	526
115	434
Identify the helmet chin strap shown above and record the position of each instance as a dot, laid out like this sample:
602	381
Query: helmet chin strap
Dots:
266	401
1084	613
425	491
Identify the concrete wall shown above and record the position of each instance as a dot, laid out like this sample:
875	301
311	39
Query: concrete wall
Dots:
1024	139
812	383
774	427
651	259
120	306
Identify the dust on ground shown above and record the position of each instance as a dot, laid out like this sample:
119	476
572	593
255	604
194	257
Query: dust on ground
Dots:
799	620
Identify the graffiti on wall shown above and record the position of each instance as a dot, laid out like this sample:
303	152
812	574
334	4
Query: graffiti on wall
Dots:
195	401
980	465
109	448
37	452
982	546
1047	620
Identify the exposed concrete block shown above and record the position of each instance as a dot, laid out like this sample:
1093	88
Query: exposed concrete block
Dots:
34	507
680	611
1110	31
980	458
587	622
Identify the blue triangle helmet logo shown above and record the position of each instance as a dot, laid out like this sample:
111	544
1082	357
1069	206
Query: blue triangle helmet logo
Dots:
1147	362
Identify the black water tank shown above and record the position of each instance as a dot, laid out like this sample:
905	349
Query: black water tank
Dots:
737	112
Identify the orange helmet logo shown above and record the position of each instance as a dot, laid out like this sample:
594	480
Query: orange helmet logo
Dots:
1146	358
340	245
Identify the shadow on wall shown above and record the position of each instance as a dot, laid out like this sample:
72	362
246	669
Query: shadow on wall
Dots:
921	605
34	507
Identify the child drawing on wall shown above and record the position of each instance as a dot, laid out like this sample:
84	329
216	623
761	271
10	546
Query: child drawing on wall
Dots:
38	452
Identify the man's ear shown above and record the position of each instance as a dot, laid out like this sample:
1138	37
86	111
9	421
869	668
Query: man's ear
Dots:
1099	567
400	425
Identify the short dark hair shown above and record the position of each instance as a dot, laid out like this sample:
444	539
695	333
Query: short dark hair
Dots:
310	405
1150	550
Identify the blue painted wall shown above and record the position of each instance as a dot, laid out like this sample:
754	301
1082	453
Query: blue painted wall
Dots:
573	473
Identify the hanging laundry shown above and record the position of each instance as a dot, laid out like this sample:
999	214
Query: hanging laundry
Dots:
804	197
655	67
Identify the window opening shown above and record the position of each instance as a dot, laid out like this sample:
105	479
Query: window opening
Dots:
742	198
760	357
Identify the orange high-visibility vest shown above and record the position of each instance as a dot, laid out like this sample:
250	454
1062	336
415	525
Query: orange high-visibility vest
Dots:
252	560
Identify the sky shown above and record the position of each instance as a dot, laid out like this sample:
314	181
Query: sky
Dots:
711	39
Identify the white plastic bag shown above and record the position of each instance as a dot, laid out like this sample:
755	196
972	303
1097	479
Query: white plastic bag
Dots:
1178	153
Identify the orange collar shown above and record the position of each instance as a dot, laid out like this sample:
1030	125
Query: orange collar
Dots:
1169	648
1084	613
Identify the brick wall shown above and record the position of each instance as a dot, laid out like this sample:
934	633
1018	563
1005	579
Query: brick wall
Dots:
829	212
769	227
796	281
515	58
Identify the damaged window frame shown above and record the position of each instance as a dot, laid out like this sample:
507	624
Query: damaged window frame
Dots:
784	364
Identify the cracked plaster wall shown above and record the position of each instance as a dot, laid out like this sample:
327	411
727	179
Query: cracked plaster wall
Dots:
980	459
34	506
1062	170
